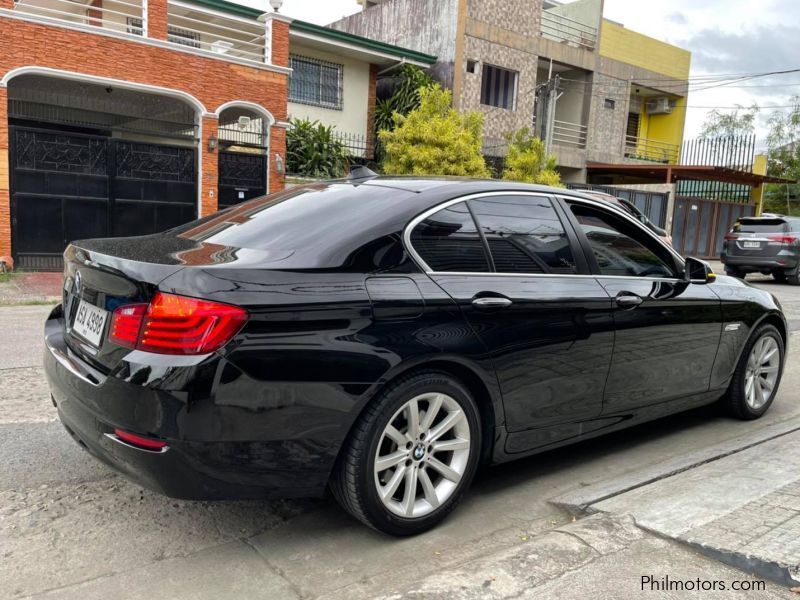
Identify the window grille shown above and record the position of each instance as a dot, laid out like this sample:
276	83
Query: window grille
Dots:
315	82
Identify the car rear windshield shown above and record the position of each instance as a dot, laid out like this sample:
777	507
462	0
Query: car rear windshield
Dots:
760	226
313	218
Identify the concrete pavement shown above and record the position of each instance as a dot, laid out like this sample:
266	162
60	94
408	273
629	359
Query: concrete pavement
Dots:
70	528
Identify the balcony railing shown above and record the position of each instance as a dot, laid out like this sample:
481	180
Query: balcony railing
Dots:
563	29
651	150
188	25
569	134
124	16
234	37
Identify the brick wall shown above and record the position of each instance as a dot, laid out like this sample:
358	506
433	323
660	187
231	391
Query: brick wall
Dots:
277	145
209	200
212	82
280	43
157	19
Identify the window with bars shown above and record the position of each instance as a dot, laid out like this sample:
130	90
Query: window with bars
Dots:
315	82
498	87
176	35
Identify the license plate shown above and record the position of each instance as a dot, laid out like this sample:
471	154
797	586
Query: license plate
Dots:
751	244
90	322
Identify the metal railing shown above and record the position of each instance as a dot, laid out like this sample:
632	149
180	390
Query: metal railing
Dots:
234	37
112	14
651	150
569	134
564	29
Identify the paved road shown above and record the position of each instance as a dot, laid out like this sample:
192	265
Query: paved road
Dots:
71	528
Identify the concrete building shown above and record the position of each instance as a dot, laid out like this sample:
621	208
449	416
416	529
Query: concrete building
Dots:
594	90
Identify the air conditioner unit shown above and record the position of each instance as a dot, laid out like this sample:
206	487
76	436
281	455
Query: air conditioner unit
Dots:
660	106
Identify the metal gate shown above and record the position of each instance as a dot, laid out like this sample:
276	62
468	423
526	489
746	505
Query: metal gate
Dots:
67	186
241	176
653	204
699	226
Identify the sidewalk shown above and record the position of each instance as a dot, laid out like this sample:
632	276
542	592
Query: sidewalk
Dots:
738	502
30	288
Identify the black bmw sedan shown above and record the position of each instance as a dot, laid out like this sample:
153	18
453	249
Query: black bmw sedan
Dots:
383	337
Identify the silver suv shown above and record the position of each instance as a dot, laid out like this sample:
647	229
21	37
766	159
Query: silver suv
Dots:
769	245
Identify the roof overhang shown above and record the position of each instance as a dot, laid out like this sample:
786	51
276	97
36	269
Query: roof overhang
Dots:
354	46
657	173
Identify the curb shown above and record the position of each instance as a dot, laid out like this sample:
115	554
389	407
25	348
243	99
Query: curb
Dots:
579	502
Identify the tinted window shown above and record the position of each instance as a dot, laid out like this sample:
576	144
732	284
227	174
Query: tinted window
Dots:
620	248
449	241
524	234
760	226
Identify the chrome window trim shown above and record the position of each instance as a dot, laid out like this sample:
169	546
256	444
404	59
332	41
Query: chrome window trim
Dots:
551	196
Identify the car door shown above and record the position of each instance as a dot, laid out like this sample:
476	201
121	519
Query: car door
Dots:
522	283
667	330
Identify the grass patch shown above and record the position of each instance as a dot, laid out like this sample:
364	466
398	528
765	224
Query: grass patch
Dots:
8	276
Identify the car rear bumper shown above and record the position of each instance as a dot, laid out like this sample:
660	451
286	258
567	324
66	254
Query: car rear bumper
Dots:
760	263
193	465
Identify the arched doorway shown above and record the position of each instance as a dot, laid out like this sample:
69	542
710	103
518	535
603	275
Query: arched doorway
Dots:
94	159
243	152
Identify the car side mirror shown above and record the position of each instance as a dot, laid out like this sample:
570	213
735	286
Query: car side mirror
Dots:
697	271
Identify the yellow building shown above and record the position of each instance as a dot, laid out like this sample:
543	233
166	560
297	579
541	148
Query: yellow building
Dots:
657	105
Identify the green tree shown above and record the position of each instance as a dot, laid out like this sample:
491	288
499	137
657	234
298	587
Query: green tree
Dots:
783	141
740	121
435	139
527	160
312	150
405	96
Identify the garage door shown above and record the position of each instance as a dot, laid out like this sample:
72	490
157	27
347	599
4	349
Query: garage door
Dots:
67	186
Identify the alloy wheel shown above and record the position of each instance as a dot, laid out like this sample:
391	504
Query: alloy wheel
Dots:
422	455
761	375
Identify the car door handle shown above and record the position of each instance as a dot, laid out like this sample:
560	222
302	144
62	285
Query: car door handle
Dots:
490	302
627	300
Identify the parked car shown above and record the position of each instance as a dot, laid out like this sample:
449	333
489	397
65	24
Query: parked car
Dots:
633	210
382	337
768	245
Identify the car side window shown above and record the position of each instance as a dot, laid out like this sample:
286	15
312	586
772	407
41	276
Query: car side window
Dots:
524	234
449	241
620	248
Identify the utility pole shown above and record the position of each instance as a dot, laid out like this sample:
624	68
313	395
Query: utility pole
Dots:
546	113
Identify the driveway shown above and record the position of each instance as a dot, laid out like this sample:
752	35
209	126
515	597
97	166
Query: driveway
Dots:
71	528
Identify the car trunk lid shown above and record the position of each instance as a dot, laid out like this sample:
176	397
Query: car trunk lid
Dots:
96	283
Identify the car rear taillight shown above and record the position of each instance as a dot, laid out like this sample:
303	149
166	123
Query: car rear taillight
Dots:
173	324
730	236
782	239
139	441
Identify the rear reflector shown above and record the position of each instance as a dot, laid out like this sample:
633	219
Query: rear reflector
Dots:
141	442
173	324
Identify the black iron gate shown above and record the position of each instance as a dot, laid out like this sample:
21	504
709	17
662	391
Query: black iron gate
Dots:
241	176
67	186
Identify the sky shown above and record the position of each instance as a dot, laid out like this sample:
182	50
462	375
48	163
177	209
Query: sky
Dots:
725	37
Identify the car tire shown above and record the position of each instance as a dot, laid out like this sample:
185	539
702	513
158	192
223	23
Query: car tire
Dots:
758	375
378	497
779	276
793	275
732	272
